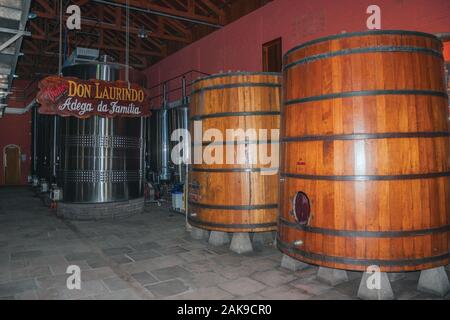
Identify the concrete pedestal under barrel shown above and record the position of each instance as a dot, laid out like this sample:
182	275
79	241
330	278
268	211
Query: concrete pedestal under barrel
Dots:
102	159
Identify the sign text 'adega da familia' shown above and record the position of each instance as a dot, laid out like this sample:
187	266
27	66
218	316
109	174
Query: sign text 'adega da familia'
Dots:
66	96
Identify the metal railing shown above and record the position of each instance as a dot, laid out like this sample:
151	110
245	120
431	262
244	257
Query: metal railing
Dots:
174	90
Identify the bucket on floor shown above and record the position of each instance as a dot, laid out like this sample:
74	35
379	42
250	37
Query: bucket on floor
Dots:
177	200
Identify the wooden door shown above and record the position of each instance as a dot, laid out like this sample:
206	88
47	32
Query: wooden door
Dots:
12	165
272	56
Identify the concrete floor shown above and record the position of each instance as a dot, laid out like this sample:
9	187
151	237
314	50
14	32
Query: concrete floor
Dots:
149	256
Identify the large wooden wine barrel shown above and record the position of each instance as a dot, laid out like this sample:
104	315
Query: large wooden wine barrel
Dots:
364	170
447	69
241	194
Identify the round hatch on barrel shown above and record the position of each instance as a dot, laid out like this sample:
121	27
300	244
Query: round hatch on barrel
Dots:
301	208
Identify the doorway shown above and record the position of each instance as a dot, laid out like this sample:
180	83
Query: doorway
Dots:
11	164
272	56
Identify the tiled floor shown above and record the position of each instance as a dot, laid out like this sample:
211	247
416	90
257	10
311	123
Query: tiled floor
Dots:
149	256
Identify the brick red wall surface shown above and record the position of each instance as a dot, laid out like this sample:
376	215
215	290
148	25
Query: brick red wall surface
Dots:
238	46
16	129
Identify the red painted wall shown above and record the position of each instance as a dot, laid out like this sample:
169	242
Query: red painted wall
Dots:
238	46
16	129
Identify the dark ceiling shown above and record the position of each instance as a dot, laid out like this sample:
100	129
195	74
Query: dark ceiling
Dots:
167	26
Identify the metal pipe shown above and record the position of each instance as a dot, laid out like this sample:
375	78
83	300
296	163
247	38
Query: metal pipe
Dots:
35	124
14	31
181	75
142	149
158	13
183	89
186	200
21	110
60	58
165	95
55	137
13	39
164	136
127	44
165	149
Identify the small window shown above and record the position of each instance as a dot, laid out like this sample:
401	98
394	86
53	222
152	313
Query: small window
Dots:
272	56
301	208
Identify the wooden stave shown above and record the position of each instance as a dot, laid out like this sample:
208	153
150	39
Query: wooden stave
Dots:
375	38
261	116
309	90
323	137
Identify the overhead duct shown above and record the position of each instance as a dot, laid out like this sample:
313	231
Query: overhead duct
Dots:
80	55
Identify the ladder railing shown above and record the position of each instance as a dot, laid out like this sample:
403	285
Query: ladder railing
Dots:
174	90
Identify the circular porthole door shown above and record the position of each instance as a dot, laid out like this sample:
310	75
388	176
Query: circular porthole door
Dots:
301	207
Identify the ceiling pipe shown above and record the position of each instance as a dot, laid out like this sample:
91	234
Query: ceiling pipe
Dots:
19	111
158	13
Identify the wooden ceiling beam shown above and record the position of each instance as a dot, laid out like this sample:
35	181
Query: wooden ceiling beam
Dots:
145	4
81	2
191	6
178	25
46	6
218	11
181	4
110	26
202	9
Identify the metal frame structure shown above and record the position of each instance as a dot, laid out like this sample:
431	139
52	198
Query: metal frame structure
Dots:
13	19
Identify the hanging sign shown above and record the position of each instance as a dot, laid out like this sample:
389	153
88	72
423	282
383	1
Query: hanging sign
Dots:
67	96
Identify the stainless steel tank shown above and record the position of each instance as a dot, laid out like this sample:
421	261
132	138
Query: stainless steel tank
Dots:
44	127
158	147
102	160
163	146
160	127
178	119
